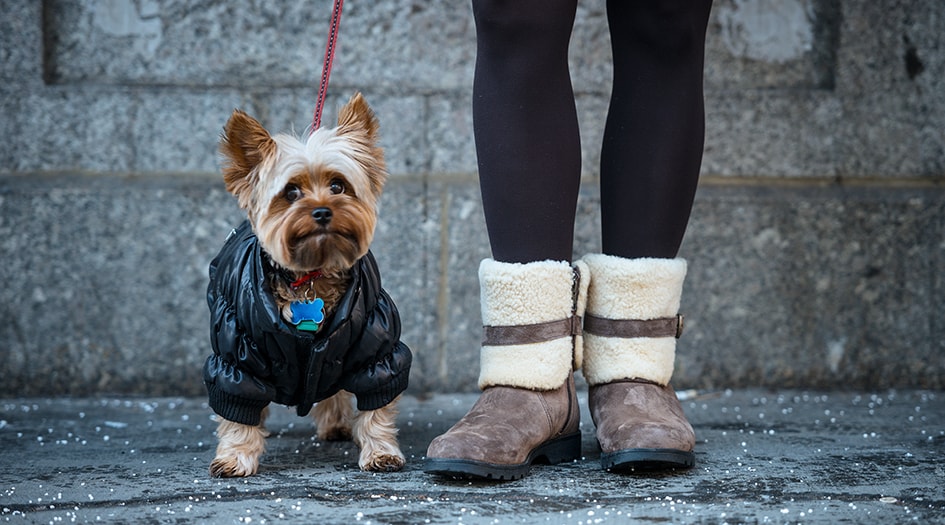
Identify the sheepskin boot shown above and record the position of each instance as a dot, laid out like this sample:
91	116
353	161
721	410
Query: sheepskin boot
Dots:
630	332
528	410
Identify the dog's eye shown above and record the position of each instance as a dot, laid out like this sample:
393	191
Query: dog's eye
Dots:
337	186
292	193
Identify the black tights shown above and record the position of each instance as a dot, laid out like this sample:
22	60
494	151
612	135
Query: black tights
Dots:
526	128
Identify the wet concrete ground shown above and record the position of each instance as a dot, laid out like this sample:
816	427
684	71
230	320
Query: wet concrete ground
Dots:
762	457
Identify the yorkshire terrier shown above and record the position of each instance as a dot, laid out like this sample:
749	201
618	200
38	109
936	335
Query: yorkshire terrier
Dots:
312	209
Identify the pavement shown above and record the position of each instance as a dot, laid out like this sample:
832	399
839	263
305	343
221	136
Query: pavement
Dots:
762	457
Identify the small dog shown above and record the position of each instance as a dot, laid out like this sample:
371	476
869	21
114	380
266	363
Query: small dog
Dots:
312	205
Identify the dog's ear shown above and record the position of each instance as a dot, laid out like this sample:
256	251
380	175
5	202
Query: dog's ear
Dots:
357	122
357	115
244	144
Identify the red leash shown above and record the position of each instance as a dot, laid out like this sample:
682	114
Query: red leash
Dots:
326	67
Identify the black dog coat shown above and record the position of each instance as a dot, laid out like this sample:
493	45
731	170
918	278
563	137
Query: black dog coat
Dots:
258	358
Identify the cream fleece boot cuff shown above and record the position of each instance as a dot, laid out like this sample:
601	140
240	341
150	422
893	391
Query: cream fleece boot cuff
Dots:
633	289
514	294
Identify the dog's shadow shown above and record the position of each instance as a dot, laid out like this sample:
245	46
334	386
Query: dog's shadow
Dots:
298	448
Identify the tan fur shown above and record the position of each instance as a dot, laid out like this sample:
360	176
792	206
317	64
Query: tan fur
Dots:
376	433
333	416
239	448
258	169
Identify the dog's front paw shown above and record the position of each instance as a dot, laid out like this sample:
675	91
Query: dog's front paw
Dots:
233	466
381	461
238	450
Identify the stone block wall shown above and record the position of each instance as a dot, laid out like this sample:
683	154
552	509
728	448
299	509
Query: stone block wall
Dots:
816	246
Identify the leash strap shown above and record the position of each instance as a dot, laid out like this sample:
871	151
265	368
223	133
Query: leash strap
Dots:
326	67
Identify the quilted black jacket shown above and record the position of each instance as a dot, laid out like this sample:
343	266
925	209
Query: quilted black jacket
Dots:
258	358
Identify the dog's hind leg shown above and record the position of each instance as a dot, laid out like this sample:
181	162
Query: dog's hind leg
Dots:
332	417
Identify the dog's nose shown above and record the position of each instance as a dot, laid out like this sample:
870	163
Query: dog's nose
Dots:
322	215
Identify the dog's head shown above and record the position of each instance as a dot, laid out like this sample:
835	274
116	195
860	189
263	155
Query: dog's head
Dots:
313	202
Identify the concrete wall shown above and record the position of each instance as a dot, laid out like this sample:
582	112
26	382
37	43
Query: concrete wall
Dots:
817	241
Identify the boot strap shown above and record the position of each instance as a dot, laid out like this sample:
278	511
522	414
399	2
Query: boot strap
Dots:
631	328
531	333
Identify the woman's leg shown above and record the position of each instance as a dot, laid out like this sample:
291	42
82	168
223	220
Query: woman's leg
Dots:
531	297
526	127
655	131
649	171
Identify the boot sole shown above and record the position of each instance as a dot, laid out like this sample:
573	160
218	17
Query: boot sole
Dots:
552	452
647	459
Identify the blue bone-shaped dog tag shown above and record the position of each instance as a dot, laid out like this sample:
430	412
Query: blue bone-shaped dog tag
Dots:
308	315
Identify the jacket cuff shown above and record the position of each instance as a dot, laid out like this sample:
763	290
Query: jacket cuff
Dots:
235	409
383	395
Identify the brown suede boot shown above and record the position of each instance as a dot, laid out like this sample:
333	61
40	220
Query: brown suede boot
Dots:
640	425
506	431
528	410
630	344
